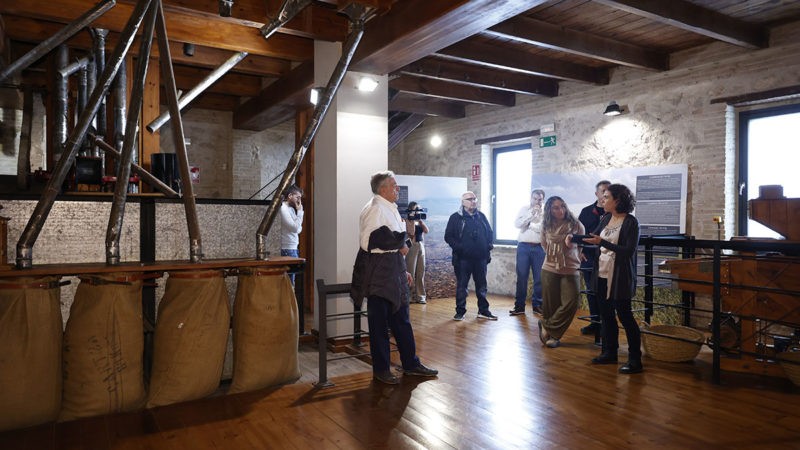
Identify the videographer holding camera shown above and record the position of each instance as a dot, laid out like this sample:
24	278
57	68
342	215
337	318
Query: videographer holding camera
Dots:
415	259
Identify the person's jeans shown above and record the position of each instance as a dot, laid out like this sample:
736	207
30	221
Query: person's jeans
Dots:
476	268
529	257
610	329
290	252
380	319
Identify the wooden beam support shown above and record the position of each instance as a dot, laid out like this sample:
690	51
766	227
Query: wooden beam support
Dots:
276	100
474	75
24	29
694	18
430	87
513	59
181	26
421	105
314	22
554	37
404	129
413	29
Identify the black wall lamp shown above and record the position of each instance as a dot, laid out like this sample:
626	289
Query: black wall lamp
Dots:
613	109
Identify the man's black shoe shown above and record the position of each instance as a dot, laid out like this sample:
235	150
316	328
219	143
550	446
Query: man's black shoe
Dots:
421	371
386	378
604	359
516	311
631	367
537	310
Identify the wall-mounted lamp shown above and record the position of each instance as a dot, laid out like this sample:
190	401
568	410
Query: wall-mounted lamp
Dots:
314	95
367	84
436	141
613	109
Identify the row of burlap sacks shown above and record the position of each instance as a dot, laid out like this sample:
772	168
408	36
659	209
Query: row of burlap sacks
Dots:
95	366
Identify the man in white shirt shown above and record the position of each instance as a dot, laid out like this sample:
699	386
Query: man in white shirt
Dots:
530	254
291	222
384	281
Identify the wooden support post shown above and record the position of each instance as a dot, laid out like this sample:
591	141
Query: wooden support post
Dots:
149	142
305	180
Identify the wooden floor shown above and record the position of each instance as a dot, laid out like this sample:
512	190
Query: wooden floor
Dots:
497	388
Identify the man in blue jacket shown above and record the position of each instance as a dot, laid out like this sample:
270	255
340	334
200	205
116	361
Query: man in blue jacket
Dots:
469	234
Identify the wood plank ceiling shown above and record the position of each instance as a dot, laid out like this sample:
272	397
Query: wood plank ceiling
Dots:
441	55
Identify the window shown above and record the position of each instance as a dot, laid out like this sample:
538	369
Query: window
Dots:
511	189
768	155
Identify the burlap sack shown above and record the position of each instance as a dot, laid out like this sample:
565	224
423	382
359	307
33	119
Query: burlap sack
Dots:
30	362
265	331
103	345
191	338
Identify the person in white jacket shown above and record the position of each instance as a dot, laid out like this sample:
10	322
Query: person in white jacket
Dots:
291	222
530	254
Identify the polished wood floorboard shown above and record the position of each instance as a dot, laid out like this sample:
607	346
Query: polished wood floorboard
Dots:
498	388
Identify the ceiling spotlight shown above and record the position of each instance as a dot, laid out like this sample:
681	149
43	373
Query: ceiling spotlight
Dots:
436	141
314	95
613	109
367	84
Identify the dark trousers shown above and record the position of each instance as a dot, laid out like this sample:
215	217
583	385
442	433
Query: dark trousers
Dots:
587	267
380	319
475	268
610	329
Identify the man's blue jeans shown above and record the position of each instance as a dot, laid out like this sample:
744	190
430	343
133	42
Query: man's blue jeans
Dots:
290	252
529	257
476	268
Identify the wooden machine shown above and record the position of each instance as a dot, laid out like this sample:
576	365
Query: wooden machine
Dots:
760	293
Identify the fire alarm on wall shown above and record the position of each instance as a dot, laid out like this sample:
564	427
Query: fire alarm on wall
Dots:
194	173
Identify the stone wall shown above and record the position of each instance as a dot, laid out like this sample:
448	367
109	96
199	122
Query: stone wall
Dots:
670	120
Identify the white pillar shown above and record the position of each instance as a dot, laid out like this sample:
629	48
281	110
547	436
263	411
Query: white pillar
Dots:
351	145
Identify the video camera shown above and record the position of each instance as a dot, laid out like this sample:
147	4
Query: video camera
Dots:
417	214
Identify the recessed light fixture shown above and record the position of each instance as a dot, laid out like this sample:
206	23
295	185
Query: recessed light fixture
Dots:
613	109
436	141
367	84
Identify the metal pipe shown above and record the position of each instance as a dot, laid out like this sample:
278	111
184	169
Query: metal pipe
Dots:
115	219
83	84
42	209
289	9
71	69
225	7
320	110
120	105
61	87
24	154
57	39
195	243
186	98
99	50
147	177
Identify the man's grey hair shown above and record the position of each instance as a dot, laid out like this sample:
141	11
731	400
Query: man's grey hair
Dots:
378	179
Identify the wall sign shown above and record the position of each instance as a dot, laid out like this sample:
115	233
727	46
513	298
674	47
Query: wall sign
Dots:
476	172
547	141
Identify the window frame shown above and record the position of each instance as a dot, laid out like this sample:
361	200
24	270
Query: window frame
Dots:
498	150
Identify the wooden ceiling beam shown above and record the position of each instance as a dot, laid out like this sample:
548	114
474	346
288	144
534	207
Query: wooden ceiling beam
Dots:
404	129
431	87
314	22
473	75
181	27
24	29
554	37
512	59
420	105
413	29
283	95
694	18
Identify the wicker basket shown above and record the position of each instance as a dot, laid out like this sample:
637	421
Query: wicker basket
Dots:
672	343
791	366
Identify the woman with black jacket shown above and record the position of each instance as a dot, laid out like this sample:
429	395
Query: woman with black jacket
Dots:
617	235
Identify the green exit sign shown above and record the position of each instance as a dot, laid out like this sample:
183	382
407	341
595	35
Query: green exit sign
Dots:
547	141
